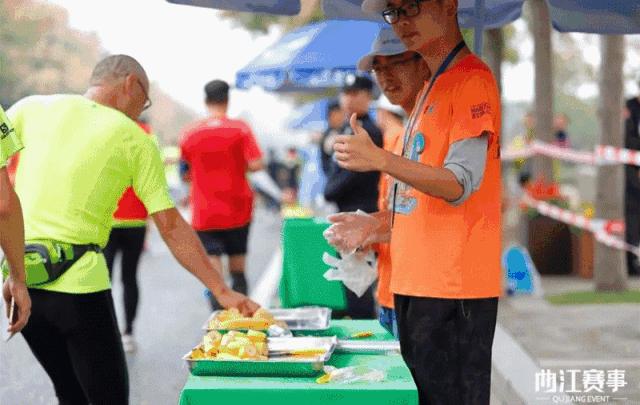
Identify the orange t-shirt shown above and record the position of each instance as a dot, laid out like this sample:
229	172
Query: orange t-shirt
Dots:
392	142
440	250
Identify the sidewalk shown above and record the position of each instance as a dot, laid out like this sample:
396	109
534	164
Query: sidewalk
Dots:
533	335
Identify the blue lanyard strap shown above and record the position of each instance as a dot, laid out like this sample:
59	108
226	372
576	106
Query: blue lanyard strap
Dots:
417	111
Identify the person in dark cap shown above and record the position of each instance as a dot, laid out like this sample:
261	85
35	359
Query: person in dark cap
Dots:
216	153
352	191
349	190
335	124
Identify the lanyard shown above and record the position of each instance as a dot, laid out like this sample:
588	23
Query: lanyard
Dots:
418	111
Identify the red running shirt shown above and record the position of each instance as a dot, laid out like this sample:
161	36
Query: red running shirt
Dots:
130	207
218	152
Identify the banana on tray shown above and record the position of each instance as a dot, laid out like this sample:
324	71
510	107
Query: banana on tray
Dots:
232	346
232	319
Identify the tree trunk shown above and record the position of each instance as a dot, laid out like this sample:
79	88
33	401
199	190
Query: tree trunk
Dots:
494	52
610	272
541	31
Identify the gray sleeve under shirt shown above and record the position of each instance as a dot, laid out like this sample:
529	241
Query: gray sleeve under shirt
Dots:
467	159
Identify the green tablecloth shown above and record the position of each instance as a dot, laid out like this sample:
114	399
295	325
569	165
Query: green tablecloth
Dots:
344	328
302	281
396	389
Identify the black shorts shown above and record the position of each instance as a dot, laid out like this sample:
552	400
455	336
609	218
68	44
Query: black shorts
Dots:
231	242
447	344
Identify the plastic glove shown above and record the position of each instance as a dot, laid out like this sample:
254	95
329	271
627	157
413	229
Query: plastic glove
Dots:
353	230
355	273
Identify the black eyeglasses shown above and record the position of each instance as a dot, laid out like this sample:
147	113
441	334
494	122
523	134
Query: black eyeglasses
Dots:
411	9
391	67
147	102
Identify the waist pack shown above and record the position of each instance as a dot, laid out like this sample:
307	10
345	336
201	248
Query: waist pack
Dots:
46	261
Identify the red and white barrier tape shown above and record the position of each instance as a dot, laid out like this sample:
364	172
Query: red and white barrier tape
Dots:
566	216
599	227
603	154
617	155
511	154
562	153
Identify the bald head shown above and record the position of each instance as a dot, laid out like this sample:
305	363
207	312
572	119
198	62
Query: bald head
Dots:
120	82
116	67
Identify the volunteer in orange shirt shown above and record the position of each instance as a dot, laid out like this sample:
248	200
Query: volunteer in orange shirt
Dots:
400	75
445	225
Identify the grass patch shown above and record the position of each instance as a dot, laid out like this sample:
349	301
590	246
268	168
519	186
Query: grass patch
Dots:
593	297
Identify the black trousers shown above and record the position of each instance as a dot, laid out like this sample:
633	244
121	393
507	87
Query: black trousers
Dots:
447	344
130	242
76	340
632	228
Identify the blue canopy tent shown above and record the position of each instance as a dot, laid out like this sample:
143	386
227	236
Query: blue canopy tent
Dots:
315	57
311	116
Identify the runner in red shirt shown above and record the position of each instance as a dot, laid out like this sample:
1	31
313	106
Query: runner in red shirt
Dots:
216	153
127	237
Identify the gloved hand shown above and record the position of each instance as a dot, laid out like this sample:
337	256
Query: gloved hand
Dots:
352	231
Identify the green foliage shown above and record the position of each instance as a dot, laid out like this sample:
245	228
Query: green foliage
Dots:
511	54
40	54
592	297
259	23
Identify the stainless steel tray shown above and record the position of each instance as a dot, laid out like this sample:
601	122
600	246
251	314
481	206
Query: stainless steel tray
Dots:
276	367
304	318
368	346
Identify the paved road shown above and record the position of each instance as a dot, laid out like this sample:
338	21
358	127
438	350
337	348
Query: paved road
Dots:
172	309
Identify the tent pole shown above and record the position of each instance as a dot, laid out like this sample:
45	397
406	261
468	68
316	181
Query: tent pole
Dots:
478	28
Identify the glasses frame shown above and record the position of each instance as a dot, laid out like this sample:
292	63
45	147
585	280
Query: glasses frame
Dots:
392	15
147	103
389	67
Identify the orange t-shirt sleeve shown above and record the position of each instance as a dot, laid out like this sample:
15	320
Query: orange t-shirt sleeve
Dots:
474	109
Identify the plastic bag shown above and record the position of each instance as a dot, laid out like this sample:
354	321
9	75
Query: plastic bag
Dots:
357	274
350	374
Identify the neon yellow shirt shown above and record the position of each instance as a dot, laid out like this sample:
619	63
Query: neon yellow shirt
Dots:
9	142
79	158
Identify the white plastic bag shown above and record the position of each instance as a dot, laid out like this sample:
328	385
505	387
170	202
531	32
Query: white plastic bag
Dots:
357	274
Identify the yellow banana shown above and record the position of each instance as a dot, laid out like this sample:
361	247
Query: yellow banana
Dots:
323	379
227	356
256	336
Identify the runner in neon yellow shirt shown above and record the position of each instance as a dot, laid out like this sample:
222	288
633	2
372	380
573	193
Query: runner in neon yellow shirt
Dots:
9	142
81	153
12	230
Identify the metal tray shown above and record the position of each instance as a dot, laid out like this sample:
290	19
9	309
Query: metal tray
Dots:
276	367
368	346
303	318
